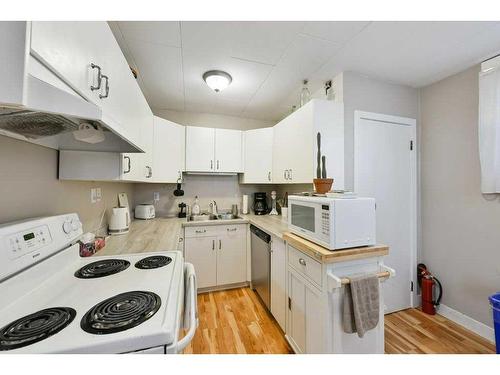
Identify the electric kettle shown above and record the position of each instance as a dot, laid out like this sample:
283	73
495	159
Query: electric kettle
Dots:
119	221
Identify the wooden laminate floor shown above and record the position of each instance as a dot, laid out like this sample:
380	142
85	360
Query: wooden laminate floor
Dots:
235	321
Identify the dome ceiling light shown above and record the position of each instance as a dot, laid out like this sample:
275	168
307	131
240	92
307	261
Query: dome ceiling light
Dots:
217	80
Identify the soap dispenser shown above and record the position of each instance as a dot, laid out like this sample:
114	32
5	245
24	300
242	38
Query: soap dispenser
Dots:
195	210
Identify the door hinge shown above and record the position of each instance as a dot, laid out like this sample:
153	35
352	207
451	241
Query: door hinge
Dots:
411	286
289	303
411	145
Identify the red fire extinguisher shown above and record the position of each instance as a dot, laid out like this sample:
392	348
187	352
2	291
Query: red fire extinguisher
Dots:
427	283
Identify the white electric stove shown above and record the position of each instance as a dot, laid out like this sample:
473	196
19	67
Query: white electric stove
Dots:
54	301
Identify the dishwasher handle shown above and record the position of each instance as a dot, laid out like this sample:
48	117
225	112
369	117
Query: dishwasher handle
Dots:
260	233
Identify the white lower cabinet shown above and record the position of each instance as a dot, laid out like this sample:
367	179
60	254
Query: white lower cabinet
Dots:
200	251
278	281
218	253
305	330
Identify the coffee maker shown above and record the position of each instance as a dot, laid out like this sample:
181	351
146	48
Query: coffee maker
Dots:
260	204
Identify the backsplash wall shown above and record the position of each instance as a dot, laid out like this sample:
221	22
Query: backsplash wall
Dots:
29	187
225	190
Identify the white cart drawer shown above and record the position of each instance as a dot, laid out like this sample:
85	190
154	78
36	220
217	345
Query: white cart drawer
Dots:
305	265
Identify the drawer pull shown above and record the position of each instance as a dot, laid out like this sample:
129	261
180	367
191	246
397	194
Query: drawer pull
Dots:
201	231
302	261
232	229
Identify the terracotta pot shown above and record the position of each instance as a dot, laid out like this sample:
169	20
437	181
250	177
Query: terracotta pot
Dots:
323	185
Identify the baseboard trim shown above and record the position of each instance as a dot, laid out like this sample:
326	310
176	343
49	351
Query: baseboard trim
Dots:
478	328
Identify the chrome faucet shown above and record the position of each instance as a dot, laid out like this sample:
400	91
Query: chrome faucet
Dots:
213	207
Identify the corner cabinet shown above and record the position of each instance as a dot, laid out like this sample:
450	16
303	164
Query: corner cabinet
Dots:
218	253
213	150
295	145
168	151
258	156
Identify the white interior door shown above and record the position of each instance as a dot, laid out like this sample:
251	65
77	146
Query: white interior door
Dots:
385	168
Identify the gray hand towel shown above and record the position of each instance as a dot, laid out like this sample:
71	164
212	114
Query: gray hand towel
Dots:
361	304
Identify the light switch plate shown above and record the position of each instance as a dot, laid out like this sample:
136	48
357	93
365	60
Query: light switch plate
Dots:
98	194
93	195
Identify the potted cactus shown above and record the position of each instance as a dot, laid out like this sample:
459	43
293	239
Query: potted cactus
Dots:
322	184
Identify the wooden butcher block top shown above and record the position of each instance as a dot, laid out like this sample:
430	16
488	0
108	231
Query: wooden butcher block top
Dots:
327	256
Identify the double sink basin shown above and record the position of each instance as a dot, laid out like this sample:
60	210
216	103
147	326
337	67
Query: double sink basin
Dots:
211	217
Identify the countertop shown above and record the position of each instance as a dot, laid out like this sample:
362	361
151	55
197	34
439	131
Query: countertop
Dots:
327	256
160	234
163	234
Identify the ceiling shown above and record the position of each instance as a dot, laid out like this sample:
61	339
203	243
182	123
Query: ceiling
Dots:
269	60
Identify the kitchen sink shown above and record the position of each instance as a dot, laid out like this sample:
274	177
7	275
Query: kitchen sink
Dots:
210	217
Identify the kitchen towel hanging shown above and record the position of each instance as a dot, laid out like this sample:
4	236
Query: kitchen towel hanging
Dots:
361	304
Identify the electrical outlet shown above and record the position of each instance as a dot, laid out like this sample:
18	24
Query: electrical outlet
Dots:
156	196
93	195
98	194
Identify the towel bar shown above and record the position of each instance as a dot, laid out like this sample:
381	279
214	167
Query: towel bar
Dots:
335	282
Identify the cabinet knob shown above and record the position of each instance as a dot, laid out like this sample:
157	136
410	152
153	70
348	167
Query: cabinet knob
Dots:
302	261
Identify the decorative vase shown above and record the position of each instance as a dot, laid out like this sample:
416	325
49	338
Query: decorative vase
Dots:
323	185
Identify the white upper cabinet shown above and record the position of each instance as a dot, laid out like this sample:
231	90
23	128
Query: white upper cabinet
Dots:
168	151
200	148
86	55
258	156
228	150
213	150
295	144
139	166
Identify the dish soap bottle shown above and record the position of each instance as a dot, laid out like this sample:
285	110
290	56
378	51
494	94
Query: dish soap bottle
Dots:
305	94
195	210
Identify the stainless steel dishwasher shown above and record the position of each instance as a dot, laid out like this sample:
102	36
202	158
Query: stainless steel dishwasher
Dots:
261	264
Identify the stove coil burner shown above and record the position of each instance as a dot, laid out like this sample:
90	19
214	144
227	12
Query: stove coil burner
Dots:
121	312
35	327
102	268
155	261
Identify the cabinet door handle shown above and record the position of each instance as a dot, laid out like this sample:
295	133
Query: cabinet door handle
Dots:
211	164
201	231
284	174
232	229
213	244
106	87
99	77
150	171
220	244
269	176
302	261
217	165
290	175
128	159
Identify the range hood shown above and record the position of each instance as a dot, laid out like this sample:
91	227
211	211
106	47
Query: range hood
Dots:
51	115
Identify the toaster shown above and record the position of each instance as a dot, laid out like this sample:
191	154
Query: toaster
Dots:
144	211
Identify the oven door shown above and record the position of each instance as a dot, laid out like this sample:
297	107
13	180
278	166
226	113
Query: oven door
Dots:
306	220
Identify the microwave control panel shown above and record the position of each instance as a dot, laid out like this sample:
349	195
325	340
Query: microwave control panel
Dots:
325	219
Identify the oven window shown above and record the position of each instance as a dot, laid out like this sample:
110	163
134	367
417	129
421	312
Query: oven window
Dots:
303	217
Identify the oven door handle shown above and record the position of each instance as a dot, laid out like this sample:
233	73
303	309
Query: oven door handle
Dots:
190	298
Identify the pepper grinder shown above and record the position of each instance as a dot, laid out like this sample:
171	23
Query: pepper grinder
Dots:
274	211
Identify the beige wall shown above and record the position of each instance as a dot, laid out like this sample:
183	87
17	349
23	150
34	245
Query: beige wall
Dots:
212	120
460	226
29	186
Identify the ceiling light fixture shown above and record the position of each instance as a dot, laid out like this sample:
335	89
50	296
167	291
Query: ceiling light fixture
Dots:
217	80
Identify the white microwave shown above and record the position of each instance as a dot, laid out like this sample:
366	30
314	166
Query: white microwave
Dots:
334	223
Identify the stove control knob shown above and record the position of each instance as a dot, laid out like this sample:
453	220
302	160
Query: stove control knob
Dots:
75	224
67	227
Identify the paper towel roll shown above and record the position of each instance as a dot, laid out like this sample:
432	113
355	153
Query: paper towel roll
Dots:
244	205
